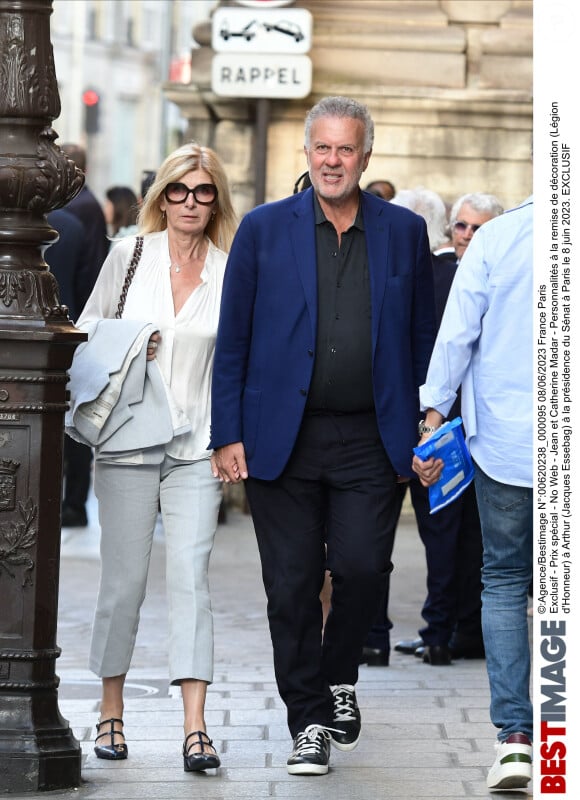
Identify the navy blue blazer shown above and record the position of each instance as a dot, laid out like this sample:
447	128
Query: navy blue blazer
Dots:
87	208
67	262
266	337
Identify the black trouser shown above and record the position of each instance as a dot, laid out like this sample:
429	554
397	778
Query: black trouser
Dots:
338	490
453	549
379	635
77	474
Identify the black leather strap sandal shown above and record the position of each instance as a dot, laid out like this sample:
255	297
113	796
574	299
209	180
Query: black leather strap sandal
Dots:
111	751
206	758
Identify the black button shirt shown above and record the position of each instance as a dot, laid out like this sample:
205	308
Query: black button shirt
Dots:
342	379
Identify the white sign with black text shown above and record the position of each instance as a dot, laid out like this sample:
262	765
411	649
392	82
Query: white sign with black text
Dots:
261	75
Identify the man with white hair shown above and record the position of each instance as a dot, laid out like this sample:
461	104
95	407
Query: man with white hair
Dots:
468	213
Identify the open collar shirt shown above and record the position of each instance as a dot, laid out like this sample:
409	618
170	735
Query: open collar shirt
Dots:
186	351
342	378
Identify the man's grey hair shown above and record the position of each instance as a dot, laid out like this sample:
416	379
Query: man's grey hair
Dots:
484	203
341	107
430	206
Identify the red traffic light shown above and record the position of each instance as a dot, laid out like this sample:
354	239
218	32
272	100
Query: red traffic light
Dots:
92	106
90	97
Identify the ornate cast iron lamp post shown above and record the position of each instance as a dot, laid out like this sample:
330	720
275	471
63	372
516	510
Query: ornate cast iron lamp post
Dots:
37	748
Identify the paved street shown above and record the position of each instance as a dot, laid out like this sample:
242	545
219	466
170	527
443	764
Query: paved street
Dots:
426	730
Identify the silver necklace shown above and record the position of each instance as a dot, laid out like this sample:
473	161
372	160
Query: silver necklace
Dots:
177	267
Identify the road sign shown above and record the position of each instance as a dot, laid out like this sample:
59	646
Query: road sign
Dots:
261	75
246	30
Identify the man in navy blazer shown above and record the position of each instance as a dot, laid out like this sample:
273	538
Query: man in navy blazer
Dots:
326	328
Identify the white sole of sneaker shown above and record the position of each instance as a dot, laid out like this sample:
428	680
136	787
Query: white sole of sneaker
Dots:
307	769
346	748
516	776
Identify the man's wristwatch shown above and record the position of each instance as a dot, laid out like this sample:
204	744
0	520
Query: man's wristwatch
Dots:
422	428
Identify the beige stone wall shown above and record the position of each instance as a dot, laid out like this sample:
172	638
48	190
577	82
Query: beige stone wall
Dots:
448	82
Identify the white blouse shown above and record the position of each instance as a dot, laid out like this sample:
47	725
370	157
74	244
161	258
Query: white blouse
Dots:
186	351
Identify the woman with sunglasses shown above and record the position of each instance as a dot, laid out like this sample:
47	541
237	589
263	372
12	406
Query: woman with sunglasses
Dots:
468	213
187	223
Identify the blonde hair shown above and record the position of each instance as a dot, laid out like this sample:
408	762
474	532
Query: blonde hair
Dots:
192	156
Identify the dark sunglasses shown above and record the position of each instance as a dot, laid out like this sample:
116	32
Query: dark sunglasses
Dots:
461	226
204	193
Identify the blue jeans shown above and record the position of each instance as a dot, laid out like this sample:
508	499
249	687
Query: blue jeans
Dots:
506	515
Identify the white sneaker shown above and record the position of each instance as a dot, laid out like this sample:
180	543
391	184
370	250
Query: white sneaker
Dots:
311	752
512	768
346	717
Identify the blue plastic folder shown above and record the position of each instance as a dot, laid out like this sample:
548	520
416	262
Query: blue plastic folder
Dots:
448	444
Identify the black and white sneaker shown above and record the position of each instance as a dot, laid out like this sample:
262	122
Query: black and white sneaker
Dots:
311	752
346	717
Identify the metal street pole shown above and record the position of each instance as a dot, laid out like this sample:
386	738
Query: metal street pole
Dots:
37	748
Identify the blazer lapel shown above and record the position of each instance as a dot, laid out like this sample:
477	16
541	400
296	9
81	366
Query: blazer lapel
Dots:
303	240
377	230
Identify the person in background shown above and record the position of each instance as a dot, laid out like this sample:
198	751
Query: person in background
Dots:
187	223
66	259
377	648
121	208
87	208
452	536
302	182
468	213
147	178
324	334
78	457
429	205
384	189
487	348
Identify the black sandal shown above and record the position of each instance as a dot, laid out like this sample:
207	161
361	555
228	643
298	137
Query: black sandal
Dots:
112	751
195	762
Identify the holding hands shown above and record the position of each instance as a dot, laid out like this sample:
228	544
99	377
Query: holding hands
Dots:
229	463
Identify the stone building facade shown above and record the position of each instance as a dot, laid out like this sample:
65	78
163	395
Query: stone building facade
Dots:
448	83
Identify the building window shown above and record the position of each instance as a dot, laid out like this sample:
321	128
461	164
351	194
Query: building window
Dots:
92	24
130	23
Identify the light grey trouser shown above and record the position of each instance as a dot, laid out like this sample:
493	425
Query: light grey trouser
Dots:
129	498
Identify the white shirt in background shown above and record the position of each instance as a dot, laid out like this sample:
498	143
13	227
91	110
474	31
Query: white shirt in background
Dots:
485	345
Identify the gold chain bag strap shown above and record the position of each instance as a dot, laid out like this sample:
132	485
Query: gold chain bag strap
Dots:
133	264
